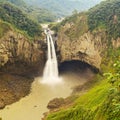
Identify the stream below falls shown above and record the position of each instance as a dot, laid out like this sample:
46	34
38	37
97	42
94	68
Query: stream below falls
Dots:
34	105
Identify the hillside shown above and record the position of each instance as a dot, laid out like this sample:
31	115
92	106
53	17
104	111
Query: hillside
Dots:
104	16
18	19
40	15
63	7
37	14
99	29
48	11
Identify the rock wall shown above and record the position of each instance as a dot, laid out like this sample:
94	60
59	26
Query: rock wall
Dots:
14	47
88	47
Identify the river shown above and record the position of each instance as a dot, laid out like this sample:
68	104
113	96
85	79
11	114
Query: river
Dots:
34	105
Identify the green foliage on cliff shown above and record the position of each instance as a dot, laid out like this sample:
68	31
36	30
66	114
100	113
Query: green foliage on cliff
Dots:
74	26
13	15
77	20
106	16
101	102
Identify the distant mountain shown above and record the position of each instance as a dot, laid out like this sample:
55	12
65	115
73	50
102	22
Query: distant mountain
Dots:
63	7
40	15
49	10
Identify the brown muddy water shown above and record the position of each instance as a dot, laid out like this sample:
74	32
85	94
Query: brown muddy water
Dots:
34	105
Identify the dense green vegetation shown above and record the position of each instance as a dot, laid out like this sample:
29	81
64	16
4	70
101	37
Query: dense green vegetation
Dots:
37	14
106	16
15	16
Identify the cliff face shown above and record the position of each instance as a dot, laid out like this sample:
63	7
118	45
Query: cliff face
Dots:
19	60
14	47
85	36
87	47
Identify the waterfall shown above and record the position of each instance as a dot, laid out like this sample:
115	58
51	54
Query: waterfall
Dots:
50	73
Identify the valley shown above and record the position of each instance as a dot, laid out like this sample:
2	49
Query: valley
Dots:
71	73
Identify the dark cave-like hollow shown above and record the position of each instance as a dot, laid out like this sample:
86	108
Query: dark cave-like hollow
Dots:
76	66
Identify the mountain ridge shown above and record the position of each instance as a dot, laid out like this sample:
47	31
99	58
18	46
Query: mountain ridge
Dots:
62	7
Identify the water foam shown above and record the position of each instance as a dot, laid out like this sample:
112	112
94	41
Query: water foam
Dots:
50	74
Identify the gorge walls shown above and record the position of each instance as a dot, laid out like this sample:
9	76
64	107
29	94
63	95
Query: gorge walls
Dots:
14	47
87	47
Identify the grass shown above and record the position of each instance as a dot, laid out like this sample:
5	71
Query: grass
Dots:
95	96
85	106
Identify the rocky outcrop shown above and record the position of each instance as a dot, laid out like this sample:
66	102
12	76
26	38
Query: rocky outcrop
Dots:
14	47
55	103
87	47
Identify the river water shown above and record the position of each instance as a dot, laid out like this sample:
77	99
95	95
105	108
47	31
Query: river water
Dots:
34	105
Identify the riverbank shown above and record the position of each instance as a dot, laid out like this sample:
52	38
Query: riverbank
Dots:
35	104
12	88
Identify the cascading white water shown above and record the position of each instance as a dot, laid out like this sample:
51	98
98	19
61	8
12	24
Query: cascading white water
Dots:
50	74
